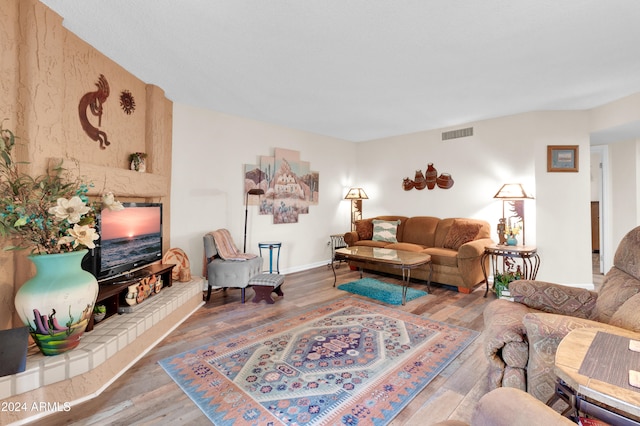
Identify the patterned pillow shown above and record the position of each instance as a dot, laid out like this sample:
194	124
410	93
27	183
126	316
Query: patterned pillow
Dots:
461	232
385	230
364	228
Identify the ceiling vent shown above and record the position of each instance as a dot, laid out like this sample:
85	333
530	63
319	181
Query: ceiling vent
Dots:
460	133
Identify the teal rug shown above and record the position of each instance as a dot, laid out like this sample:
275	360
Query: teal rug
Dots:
378	290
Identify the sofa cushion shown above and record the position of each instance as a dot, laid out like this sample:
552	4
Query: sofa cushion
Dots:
442	256
405	247
384	230
420	230
461	232
364	228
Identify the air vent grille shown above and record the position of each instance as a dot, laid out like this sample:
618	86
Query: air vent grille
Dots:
460	133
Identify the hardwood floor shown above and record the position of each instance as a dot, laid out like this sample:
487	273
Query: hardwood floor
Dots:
145	395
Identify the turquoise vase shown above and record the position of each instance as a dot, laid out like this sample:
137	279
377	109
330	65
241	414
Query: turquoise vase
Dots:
57	303
511	241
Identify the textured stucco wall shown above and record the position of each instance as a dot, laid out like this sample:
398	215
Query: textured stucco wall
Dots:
44	72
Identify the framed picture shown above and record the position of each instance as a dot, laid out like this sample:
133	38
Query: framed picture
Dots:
562	158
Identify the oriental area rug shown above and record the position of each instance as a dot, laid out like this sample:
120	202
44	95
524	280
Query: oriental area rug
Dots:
378	290
346	362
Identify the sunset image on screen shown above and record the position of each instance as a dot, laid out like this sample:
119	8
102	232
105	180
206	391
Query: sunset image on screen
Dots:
129	222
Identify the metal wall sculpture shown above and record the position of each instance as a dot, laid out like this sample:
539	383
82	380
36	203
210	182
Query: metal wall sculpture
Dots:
429	180
289	185
93	101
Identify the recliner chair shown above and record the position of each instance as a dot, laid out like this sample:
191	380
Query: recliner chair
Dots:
221	273
521	337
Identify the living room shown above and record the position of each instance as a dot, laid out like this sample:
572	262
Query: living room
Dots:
196	166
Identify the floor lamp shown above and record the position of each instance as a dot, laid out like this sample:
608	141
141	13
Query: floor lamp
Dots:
514	194
356	195
255	191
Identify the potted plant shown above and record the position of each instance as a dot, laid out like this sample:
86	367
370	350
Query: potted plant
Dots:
501	281
137	161
51	215
99	312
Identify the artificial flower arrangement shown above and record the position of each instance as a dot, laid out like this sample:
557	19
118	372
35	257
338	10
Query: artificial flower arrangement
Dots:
47	213
512	231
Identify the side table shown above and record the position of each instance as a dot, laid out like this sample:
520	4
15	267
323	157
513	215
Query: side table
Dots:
528	256
271	245
592	369
337	242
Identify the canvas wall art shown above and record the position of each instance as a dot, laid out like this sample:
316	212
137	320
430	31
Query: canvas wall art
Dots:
289	185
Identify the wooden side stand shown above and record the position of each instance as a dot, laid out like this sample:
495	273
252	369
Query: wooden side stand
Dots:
113	292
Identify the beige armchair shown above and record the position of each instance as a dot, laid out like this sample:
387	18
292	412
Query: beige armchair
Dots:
511	407
521	337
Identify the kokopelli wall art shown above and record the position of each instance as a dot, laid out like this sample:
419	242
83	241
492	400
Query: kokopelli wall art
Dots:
289	185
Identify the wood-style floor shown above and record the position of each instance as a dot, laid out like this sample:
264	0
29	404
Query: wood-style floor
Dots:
145	395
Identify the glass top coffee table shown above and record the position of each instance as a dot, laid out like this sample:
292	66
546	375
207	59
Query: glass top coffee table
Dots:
404	260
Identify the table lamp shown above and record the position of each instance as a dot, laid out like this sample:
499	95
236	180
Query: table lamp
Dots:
513	194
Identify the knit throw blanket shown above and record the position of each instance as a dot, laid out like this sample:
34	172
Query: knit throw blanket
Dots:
227	250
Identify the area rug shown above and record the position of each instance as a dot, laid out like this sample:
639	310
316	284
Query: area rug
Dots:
378	290
346	362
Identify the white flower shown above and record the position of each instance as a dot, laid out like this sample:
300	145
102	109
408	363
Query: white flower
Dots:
70	209
83	234
109	201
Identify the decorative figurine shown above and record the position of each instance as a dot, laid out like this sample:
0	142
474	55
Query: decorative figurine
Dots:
501	230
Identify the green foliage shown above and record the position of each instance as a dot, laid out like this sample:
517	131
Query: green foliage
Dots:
25	201
501	281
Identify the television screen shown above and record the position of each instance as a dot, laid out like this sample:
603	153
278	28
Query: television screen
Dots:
129	239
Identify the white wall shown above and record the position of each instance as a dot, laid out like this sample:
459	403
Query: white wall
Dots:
210	149
209	153
503	150
624	181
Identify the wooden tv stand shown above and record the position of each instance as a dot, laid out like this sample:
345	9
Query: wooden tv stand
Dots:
112	292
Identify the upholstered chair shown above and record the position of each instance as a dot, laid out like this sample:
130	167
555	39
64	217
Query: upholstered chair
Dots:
521	337
227	273
511	407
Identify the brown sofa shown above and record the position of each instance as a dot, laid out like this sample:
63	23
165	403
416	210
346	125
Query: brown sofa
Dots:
455	246
521	338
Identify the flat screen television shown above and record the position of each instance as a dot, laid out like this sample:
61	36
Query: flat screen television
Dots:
129	240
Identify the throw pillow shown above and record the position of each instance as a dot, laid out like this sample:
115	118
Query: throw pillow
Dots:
461	232
385	230
364	228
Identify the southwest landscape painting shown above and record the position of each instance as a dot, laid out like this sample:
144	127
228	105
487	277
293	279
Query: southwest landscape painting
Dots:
289	185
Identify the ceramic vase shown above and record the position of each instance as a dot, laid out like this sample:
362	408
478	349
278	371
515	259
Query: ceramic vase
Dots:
132	295
139	165
444	181
431	176
57	303
407	184
419	181
511	241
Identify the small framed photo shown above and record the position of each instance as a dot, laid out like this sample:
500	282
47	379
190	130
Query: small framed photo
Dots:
562	158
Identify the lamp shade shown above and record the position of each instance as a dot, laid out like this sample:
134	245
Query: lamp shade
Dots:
512	191
255	191
356	194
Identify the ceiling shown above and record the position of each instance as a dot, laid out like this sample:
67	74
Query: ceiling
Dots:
366	69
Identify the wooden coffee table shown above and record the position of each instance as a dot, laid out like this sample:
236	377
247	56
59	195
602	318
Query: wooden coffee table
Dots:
404	260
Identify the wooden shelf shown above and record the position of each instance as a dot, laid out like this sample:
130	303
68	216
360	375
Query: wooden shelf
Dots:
112	292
